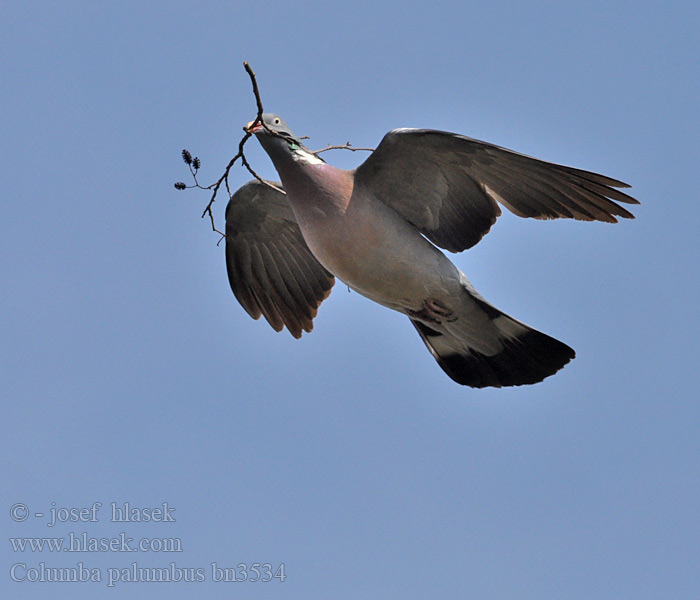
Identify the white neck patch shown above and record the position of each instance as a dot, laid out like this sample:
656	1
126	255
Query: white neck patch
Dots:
302	155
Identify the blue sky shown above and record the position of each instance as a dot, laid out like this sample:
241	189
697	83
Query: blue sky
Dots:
130	374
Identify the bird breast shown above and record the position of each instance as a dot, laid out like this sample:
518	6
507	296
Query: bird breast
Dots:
372	249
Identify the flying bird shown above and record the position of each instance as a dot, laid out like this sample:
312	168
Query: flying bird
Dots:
378	227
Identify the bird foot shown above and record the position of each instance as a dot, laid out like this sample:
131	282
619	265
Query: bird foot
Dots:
432	311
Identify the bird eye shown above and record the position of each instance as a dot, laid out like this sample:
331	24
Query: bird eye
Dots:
276	121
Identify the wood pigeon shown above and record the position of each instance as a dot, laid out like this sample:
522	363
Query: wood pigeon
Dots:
378	227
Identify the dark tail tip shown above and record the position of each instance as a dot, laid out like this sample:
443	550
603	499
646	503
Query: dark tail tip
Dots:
526	359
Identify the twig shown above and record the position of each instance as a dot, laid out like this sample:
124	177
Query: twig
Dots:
260	179
256	92
214	187
345	146
224	178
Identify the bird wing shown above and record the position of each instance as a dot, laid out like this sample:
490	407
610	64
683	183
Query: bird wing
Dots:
271	270
449	186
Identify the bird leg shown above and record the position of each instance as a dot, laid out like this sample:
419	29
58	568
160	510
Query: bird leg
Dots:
432	311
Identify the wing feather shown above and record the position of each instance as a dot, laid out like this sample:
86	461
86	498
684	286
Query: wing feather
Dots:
270	268
449	186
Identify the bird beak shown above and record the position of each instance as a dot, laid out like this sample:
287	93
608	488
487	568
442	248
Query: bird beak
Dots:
250	129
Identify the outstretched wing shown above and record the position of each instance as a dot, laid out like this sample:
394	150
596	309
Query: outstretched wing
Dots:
449	186
271	270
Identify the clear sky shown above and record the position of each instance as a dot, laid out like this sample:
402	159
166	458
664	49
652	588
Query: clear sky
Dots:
130	374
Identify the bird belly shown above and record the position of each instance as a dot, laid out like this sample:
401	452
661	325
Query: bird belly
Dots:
383	258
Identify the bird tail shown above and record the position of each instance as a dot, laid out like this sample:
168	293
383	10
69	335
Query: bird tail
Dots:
518	354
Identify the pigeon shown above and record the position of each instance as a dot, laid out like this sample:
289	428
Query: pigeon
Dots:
379	229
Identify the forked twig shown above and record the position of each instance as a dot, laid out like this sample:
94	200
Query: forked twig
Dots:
239	155
214	187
